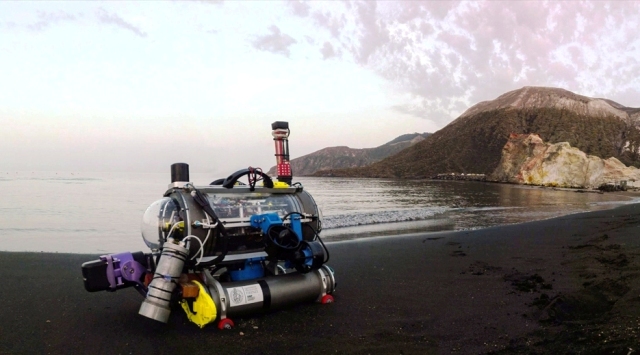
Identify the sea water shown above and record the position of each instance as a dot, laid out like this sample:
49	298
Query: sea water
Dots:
102	212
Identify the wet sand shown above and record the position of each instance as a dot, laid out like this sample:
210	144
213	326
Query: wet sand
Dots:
565	285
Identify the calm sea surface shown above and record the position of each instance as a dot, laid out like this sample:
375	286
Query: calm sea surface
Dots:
101	212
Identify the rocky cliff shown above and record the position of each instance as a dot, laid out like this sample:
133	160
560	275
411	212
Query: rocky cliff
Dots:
527	159
473	142
345	157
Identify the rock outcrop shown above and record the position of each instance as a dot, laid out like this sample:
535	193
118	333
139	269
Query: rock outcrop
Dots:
527	159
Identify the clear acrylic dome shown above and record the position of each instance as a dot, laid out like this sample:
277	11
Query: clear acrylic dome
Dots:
156	221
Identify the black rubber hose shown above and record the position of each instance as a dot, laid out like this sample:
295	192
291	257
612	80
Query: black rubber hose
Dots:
321	242
315	232
203	201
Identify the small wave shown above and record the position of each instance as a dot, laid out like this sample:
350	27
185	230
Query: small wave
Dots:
499	208
366	218
630	201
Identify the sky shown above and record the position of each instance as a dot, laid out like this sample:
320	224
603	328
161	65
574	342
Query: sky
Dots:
136	86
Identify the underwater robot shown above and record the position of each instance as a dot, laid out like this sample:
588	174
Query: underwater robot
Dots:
225	249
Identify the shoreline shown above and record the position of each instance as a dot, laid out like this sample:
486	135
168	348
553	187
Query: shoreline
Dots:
434	208
567	284
343	234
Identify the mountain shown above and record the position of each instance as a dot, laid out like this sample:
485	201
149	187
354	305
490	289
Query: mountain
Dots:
345	157
473	142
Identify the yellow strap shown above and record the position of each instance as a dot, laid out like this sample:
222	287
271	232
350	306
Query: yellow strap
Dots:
203	306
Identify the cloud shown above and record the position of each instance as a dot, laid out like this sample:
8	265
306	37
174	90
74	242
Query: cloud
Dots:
276	42
449	55
332	22
10	25
46	19
373	34
299	8
327	51
113	19
211	2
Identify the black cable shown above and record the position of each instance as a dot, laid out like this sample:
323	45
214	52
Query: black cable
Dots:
289	214
274	233
317	236
255	175
203	201
224	239
315	232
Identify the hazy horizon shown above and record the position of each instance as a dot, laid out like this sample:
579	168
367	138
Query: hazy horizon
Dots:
137	86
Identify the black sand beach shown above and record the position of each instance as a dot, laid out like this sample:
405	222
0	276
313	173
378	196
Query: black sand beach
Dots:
569	285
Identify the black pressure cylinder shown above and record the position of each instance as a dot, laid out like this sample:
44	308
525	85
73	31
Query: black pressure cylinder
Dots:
179	172
270	292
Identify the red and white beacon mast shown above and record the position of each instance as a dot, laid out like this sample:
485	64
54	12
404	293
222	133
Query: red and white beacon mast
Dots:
280	133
